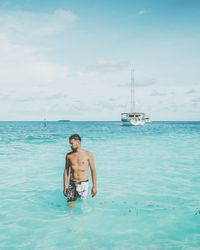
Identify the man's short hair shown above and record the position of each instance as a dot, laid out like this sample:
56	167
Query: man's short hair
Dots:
75	137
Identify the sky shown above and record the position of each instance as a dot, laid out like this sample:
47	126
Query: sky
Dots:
72	59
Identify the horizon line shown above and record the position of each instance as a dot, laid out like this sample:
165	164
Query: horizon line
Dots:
68	121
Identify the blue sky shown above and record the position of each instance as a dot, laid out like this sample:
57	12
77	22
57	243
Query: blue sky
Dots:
72	59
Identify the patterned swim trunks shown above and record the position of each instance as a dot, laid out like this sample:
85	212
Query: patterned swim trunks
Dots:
77	189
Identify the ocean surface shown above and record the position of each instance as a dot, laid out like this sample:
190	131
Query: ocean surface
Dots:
148	186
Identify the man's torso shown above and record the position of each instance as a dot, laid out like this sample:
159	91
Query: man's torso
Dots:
78	164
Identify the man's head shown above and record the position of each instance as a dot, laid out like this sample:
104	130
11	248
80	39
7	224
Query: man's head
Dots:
74	141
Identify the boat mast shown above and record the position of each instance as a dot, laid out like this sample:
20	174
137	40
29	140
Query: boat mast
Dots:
132	92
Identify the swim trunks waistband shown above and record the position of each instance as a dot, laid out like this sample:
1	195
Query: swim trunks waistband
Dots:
78	182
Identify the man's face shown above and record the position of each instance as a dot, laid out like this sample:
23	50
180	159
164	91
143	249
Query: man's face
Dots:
74	144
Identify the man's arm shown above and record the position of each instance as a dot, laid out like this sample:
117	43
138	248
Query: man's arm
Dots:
65	175
93	173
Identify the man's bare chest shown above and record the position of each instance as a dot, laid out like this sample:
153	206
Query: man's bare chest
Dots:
79	160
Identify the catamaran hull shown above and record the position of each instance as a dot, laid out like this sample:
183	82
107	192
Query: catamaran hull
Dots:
133	123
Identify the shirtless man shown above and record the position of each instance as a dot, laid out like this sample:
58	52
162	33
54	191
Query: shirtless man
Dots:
78	161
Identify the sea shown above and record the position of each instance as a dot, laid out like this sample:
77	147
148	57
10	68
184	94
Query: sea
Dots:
148	186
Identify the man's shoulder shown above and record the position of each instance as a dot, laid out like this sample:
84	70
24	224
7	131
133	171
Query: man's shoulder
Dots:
89	154
69	154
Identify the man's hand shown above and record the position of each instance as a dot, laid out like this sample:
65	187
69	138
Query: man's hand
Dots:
93	191
65	192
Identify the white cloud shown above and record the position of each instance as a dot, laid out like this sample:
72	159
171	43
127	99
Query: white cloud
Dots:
107	62
142	12
191	91
40	96
157	93
23	66
196	100
107	65
66	16
26	25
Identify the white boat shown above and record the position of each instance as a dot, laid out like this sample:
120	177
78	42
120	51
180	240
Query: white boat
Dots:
147	119
133	118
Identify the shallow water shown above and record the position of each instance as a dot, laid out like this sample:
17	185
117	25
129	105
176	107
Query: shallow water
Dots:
148	186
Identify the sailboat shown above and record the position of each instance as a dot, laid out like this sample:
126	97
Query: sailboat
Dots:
133	118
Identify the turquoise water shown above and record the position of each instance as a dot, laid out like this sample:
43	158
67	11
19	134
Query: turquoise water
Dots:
148	186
